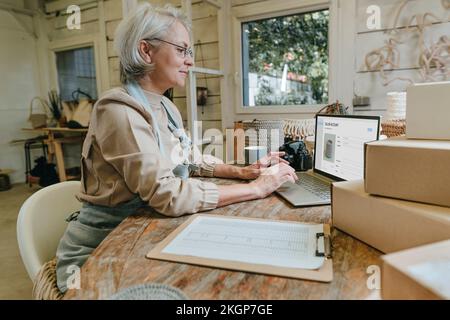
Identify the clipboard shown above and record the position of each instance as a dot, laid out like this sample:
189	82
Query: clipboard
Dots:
323	274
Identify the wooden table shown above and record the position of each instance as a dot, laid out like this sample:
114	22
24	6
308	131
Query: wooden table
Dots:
119	262
54	144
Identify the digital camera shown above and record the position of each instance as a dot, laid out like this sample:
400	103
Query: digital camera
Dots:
297	155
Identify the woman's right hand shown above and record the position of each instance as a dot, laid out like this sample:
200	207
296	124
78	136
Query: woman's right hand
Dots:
272	178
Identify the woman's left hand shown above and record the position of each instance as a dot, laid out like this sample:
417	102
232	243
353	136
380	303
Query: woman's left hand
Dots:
253	171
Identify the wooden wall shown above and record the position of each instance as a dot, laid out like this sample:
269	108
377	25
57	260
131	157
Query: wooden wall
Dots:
204	24
205	30
111	24
98	18
369	83
103	22
204	16
237	5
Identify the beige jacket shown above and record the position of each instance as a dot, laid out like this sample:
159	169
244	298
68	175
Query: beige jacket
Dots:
121	158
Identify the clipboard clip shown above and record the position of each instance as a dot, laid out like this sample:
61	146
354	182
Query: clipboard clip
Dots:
327	248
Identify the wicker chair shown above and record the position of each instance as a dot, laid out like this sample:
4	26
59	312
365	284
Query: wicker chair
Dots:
40	226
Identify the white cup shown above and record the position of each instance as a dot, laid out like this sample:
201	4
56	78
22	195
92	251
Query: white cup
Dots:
396	105
254	153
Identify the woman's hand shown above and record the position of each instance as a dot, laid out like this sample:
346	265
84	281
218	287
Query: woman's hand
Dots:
272	178
254	170
269	180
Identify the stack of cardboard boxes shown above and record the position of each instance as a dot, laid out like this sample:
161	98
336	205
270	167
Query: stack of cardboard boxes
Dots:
404	200
418	273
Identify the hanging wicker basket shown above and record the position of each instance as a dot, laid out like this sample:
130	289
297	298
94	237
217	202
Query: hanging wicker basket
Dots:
38	120
393	128
264	133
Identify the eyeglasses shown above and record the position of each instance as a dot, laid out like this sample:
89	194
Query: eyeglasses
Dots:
182	51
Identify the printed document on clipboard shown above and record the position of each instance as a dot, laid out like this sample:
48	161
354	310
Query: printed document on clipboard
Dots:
283	248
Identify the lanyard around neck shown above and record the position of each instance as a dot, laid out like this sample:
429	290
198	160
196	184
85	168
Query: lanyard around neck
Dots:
177	130
136	92
134	89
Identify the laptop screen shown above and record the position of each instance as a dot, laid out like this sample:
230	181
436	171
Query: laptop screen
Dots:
339	146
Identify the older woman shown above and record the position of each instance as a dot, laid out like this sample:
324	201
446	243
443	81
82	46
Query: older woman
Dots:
136	152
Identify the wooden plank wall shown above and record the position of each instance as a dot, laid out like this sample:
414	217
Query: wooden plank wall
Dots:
237	3
370	83
112	22
204	18
266	116
205	30
57	20
204	25
90	25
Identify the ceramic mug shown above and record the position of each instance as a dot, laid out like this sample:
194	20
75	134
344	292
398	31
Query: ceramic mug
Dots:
254	153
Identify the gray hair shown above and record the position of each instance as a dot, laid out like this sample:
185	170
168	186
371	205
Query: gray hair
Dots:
144	22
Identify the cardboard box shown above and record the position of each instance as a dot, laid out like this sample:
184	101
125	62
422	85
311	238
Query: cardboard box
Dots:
418	273
428	111
415	170
387	224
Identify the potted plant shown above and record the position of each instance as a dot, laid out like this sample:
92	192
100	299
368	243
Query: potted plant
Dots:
55	107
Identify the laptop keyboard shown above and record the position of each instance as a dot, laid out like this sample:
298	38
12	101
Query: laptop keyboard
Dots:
315	186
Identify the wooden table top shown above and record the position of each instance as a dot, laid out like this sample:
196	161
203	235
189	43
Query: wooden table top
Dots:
119	262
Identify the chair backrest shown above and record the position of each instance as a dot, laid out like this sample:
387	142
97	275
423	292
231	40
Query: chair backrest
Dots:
42	222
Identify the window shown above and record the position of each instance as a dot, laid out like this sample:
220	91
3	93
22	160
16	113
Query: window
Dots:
285	60
76	70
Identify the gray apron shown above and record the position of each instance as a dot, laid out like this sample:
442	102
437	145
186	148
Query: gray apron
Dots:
87	229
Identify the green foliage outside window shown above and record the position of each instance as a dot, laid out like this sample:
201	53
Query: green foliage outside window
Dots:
299	41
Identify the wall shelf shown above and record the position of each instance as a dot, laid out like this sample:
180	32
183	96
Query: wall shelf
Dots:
191	86
191	101
206	71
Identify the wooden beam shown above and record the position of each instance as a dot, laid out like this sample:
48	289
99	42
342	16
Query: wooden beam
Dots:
214	3
8	7
186	5
29	30
63	4
103	49
262	8
206	71
128	6
191	104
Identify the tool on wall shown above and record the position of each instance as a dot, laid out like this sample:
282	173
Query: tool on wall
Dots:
202	92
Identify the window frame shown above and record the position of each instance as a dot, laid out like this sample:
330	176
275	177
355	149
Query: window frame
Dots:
273	9
71	44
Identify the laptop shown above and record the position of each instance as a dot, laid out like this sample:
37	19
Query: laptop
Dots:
338	156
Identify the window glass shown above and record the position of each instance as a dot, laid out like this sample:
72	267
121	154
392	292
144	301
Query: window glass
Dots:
285	60
76	70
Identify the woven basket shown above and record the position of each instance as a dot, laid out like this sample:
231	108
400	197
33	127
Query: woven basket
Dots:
45	287
393	128
263	135
38	120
